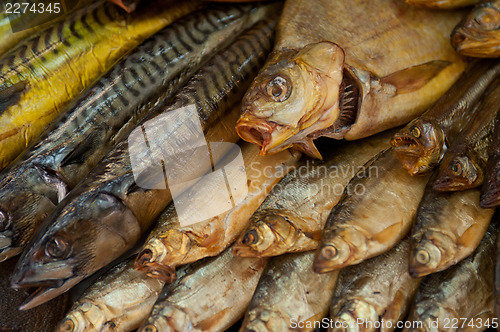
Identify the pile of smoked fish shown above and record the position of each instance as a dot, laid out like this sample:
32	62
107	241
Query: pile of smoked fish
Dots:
201	165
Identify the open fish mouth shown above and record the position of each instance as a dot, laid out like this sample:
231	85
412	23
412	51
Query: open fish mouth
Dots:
406	144
349	102
146	264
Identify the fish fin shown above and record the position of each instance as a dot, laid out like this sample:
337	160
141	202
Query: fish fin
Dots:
323	56
82	151
315	235
415	77
211	322
54	179
11	95
472	235
388	233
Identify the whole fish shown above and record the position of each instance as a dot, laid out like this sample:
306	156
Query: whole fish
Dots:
289	296
478	34
211	296
461	297
41	319
377	290
490	192
171	243
422	143
292	216
448	227
442	4
335	76
106	214
46	71
120	300
43	175
464	163
372	219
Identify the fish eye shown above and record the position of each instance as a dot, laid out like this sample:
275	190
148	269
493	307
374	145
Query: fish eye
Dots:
250	238
278	89
329	252
488	18
415	132
150	328
57	248
456	168
4	221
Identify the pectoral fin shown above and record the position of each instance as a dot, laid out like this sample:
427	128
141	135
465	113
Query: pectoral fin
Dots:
82	151
414	78
11	95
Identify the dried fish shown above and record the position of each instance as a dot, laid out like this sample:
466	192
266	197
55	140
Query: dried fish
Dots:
490	192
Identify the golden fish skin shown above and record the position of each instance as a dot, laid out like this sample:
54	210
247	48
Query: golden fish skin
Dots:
420	145
376	290
107	213
293	214
211	296
478	34
442	4
460	295
289	296
171	244
361	75
46	71
490	192
372	220
448	227
463	164
120	300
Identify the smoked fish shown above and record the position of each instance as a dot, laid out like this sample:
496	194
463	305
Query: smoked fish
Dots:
420	146
442	4
293	214
490	192
348	76
107	213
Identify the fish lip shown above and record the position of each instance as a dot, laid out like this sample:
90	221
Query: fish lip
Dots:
257	131
45	294
156	270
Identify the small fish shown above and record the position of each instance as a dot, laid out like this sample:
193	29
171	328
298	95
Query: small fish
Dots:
289	296
120	300
348	76
108	212
442	4
379	290
45	172
490	192
478	34
464	163
46	71
461	297
212	295
420	146
448	227
292	216
171	244
373	219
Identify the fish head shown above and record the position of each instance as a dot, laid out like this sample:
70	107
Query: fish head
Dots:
87	316
478	34
267	235
296	94
265	319
75	241
157	255
459	171
434	252
352	312
490	195
169	318
419	146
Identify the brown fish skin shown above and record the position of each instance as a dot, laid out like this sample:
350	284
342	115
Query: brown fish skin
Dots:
289	296
207	298
376	290
106	214
422	143
354	88
293	214
442	4
461	293
478	35
171	244
448	227
496	220
490	192
372	220
463	164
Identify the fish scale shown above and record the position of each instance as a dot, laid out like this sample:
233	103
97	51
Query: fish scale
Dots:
102	116
108	212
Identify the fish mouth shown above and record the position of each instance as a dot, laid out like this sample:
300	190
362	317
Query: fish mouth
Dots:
44	292
406	144
490	199
471	42
145	263
257	131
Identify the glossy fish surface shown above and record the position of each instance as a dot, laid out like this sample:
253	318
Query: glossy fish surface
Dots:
442	4
43	175
45	72
348	77
490	192
373	219
293	214
172	243
107	213
420	146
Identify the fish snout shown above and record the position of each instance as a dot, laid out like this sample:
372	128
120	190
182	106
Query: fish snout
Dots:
257	131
